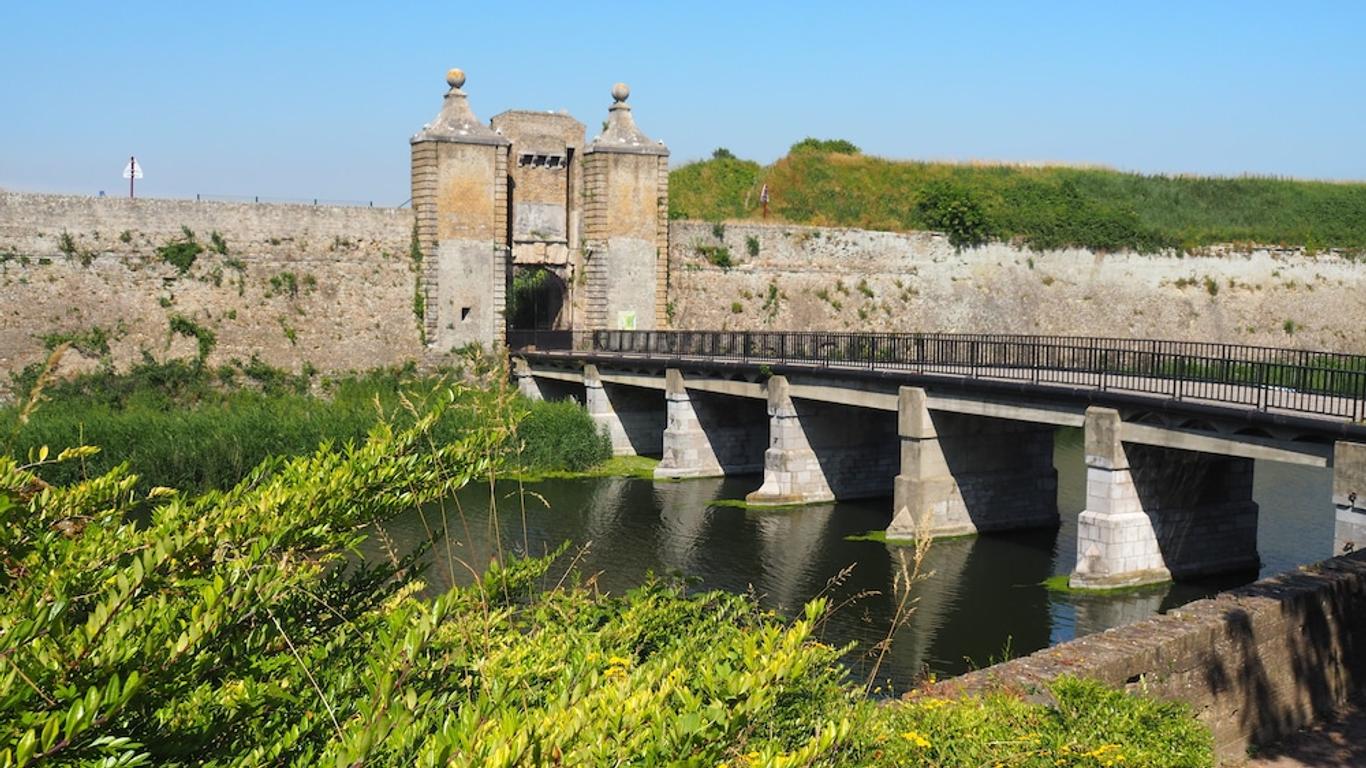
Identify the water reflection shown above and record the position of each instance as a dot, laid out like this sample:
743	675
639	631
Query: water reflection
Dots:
982	601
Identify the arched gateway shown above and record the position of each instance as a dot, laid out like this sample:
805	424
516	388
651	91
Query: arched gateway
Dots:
511	212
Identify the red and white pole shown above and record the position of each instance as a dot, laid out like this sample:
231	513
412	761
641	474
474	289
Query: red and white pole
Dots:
132	174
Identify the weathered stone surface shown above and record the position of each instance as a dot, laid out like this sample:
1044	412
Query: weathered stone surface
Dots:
1349	496
348	307
633	418
823	451
1255	664
917	281
1154	513
964	474
709	435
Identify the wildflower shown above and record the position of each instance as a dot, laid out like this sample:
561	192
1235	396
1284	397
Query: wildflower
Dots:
916	738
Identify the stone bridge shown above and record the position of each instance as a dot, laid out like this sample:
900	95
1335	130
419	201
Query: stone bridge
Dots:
958	429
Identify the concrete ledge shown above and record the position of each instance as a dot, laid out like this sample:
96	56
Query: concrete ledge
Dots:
1255	664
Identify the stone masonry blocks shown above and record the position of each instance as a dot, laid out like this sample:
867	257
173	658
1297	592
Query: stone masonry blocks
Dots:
632	417
1155	513
962	475
821	451
708	435
1349	497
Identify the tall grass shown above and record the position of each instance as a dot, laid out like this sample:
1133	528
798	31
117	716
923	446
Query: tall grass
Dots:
1041	207
180	426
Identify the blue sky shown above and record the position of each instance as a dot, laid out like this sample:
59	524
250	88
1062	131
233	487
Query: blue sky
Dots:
301	100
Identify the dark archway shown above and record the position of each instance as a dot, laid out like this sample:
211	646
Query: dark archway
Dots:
537	300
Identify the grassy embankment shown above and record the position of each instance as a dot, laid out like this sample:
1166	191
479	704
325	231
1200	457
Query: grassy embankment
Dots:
228	628
832	184
183	426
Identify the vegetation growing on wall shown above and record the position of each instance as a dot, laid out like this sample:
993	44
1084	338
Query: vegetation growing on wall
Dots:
204	338
419	294
821	183
181	253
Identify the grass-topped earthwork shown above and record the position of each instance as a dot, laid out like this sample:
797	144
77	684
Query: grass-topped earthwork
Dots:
1042	207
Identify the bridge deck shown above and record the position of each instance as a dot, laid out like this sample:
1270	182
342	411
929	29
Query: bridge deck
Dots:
1251	384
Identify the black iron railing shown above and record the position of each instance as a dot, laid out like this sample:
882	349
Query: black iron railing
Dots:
1321	383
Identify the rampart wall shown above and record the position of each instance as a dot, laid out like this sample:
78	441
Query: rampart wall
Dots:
297	286
808	278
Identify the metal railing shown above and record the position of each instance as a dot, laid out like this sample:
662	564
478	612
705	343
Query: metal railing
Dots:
1266	378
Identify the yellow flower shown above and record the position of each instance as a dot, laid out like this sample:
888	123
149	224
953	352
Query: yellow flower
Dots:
915	738
619	661
932	703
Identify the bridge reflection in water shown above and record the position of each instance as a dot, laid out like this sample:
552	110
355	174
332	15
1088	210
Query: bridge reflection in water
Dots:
983	600
959	429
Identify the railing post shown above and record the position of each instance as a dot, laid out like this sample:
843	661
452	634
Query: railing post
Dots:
1261	387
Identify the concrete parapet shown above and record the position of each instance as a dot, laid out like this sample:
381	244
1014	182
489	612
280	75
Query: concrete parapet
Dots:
1157	513
632	417
708	435
822	451
965	474
1349	497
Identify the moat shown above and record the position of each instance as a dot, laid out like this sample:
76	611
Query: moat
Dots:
984	600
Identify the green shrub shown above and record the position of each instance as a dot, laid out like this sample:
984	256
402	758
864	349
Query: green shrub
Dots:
824	146
560	435
954	212
181	253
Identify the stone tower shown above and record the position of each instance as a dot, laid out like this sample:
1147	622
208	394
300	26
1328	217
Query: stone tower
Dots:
626	223
459	176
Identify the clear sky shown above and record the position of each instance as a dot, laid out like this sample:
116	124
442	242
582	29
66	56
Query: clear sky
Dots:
294	99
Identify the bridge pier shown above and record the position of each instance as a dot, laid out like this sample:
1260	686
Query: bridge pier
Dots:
534	387
708	435
630	416
820	452
963	475
1349	497
1156	513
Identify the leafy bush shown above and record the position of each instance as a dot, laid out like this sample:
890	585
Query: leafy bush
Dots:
560	435
181	253
954	212
824	146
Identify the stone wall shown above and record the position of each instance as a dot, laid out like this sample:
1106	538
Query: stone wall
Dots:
326	287
789	277
1254	664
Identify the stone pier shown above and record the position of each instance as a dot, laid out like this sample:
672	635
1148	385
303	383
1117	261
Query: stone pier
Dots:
823	451
534	387
631	416
709	434
1349	497
963	474
1156	513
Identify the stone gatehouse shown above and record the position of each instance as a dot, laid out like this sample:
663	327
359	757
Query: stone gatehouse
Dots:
524	226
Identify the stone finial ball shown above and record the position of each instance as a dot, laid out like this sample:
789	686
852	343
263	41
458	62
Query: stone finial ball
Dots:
455	77
620	92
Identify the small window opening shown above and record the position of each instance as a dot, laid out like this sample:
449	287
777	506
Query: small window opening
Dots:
464	313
